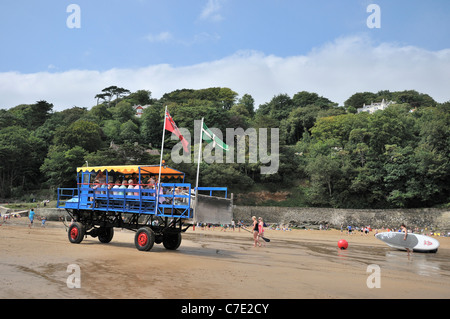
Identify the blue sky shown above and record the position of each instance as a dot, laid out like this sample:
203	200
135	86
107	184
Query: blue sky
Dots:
278	45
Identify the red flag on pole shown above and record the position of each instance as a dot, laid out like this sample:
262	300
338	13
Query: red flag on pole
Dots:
172	127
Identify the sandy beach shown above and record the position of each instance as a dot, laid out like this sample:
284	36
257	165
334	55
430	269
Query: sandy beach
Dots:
213	264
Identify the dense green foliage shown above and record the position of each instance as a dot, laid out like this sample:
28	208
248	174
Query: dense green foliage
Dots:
330	155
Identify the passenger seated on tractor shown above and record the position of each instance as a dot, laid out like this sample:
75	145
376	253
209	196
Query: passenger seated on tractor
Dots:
123	186
137	186
178	200
116	186
130	186
152	191
104	186
96	186
161	199
101	178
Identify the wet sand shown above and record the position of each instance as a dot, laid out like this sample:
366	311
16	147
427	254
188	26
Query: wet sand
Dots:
212	264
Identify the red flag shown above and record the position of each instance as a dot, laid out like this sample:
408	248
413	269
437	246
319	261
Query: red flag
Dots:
172	127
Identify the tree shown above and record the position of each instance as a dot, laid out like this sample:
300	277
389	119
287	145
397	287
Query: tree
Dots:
324	172
300	120
8	118
140	97
152	124
304	98
119	92
81	133
391	126
60	165
240	116
100	113
249	103
414	98
221	174
278	108
110	92
129	132
227	98
40	112
398	173
338	127
357	100
220	97
122	112
106	97
111	129
20	158
33	115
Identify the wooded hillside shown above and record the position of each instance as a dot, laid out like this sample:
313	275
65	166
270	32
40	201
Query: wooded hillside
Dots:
330	155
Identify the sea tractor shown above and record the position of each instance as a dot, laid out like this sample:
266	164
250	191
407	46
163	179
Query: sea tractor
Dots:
131	197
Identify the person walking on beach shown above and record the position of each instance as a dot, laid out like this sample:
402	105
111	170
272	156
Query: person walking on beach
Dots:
261	229
404	230
31	217
349	230
255	229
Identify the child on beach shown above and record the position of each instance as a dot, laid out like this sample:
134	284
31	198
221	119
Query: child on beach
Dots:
31	217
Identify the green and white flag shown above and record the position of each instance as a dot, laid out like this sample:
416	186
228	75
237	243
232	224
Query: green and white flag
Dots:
209	137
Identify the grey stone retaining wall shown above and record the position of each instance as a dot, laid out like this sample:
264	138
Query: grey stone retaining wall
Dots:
429	218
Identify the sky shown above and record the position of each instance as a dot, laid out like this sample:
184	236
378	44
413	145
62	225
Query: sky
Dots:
66	52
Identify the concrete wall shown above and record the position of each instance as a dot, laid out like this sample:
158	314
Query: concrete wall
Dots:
377	218
431	218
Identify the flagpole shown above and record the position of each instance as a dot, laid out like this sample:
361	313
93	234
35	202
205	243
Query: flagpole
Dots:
160	163
198	167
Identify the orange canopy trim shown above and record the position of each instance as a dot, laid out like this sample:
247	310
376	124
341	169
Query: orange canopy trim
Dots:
135	169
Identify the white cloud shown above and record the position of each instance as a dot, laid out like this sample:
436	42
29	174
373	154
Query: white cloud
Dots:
168	37
211	11
336	70
164	36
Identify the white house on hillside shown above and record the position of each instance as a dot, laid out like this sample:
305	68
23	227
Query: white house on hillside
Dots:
375	106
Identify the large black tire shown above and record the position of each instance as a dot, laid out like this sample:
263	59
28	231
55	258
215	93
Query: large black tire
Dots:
105	234
144	239
76	232
172	241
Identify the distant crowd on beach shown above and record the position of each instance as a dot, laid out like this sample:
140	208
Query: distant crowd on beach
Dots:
364	230
349	229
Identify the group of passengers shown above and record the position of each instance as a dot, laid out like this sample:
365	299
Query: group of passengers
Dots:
120	187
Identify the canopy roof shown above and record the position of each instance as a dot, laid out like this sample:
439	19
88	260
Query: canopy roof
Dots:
130	169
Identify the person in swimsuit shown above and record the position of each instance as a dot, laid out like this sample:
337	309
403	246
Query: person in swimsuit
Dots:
255	229
261	229
404	230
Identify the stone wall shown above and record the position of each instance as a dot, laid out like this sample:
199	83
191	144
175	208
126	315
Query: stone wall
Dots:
429	218
52	214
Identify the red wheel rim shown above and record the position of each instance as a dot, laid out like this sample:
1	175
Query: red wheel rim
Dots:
142	239
74	233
